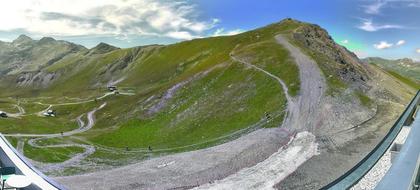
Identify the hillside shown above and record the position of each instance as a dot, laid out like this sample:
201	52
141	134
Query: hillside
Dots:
27	55
226	103
406	70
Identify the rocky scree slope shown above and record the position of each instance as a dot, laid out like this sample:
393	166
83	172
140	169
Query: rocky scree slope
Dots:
362	102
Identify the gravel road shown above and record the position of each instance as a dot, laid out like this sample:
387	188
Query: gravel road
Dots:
304	114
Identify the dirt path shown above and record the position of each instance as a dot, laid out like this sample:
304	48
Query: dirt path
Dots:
303	114
282	84
87	101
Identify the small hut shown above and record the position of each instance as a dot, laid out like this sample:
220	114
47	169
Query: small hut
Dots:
112	88
50	113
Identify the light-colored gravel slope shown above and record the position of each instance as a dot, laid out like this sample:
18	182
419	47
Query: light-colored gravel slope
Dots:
304	114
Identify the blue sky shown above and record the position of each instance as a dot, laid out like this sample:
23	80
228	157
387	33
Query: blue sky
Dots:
386	28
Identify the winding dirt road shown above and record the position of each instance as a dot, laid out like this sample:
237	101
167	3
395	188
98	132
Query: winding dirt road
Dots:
82	128
88	149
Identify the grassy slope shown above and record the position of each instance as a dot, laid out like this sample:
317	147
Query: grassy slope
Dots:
35	124
209	106
411	72
230	97
8	105
218	104
406	80
266	55
406	75
51	155
32	123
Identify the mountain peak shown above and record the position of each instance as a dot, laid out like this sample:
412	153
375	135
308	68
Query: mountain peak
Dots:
22	39
46	40
290	20
406	60
103	48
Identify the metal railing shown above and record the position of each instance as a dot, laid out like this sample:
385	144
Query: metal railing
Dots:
355	174
403	173
10	157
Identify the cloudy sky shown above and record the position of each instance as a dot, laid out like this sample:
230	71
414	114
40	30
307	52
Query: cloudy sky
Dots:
386	28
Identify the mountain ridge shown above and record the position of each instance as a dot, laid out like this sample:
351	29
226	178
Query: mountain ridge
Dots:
405	69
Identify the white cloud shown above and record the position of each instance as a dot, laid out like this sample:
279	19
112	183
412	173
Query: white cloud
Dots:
418	50
383	45
368	25
222	32
182	35
375	7
345	41
414	4
400	42
174	19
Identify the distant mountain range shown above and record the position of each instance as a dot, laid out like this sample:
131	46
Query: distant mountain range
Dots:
26	55
405	67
